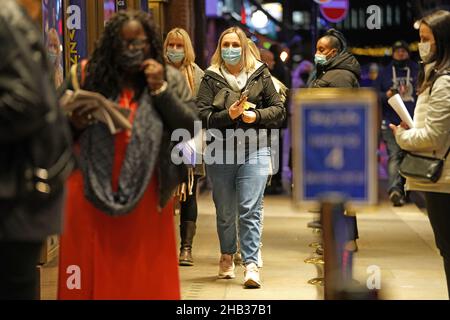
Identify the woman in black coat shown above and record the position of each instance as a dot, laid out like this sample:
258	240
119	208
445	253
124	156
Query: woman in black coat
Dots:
237	103
335	66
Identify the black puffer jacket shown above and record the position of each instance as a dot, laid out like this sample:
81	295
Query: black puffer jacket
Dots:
343	71
215	96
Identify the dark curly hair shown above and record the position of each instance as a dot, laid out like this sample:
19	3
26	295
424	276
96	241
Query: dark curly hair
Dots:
103	74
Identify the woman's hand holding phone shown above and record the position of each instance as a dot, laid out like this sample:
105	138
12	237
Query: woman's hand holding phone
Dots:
237	108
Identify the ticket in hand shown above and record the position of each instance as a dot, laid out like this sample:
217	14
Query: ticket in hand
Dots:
249	106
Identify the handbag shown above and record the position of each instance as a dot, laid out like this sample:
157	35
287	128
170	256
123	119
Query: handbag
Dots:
422	168
427	169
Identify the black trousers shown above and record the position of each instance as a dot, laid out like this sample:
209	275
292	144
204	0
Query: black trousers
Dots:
188	210
438	207
18	274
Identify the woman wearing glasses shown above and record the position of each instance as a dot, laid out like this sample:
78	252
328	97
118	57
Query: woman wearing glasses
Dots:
119	241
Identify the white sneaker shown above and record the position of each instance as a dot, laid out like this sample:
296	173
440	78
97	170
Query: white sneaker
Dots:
251	276
226	267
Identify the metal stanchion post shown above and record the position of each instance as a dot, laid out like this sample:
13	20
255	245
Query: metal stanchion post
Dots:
338	230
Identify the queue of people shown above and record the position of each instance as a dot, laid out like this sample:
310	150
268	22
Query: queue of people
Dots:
118	201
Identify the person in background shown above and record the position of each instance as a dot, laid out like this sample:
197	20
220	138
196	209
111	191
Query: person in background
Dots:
368	80
179	53
275	185
430	136
335	66
279	69
300	76
55	56
268	58
238	187
301	73
33	134
399	76
119	231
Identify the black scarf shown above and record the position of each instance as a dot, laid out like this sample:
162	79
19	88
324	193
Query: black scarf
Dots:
97	157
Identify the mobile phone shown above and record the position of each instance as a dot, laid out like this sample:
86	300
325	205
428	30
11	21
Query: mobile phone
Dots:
243	95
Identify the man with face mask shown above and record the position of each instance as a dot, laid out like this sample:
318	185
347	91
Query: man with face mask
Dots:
335	67
399	76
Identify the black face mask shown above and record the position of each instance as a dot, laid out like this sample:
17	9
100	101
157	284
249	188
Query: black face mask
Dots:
400	63
130	61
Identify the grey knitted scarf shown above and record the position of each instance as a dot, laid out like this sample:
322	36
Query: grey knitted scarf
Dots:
97	157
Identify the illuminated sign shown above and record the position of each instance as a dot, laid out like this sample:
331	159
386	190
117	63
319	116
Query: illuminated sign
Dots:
334	11
76	26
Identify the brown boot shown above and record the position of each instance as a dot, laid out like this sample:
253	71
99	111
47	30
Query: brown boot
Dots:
187	232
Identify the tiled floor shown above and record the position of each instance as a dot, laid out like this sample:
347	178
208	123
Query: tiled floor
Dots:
397	240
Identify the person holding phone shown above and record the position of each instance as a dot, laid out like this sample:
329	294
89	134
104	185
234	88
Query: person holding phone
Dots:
237	103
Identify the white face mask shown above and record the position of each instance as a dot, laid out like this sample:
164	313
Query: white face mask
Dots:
425	52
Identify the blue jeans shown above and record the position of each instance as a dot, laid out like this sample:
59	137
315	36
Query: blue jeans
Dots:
396	155
238	191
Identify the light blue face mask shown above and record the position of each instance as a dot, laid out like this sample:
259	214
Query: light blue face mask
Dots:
231	56
175	56
52	57
320	59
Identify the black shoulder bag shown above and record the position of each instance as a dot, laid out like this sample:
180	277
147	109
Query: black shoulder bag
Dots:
427	169
422	168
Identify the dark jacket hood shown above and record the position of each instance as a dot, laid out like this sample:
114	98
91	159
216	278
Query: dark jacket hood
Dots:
344	61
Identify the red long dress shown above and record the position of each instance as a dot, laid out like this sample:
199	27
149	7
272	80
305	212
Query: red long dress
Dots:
129	257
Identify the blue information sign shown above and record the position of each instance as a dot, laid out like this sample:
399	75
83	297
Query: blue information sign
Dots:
334	146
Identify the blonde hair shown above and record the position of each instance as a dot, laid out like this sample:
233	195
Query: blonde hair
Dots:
248	61
58	72
189	54
254	49
52	34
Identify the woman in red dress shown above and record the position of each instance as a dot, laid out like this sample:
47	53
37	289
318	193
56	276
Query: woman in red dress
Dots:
118	240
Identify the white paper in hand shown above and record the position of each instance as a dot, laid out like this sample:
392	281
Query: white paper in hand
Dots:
397	104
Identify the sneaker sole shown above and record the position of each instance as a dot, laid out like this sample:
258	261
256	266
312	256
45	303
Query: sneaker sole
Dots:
226	276
251	284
